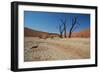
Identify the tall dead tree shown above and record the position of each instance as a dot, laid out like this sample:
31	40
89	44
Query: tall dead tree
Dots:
74	25
64	27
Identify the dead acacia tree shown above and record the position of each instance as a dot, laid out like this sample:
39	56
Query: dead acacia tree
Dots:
64	27
61	31
74	25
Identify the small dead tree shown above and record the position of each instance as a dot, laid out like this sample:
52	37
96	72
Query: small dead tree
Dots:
61	30
74	25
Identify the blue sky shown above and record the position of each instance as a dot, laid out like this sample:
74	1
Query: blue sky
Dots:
49	21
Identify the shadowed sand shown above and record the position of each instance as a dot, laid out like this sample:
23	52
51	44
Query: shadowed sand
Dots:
37	49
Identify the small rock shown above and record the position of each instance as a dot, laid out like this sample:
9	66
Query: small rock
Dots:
34	46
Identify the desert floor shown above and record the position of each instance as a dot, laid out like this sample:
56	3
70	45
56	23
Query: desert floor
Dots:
36	49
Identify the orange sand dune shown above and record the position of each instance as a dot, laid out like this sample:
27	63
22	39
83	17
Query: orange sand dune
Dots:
34	33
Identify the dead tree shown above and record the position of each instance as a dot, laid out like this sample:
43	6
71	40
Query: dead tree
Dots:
64	27
74	25
61	30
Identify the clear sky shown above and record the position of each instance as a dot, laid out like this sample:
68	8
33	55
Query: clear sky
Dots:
49	21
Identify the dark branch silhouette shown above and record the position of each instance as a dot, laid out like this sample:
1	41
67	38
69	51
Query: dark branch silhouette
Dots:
64	27
61	30
74	25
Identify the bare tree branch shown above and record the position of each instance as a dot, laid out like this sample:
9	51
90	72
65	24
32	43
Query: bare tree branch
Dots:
60	30
77	26
64	27
74	25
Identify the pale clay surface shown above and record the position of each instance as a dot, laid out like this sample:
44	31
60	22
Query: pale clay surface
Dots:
56	49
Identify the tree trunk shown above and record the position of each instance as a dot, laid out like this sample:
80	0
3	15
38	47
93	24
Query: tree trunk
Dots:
65	33
69	34
61	35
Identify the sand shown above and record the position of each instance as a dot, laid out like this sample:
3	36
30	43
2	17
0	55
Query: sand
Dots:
37	49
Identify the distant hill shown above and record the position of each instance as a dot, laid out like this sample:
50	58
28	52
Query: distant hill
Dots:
83	33
34	33
30	32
